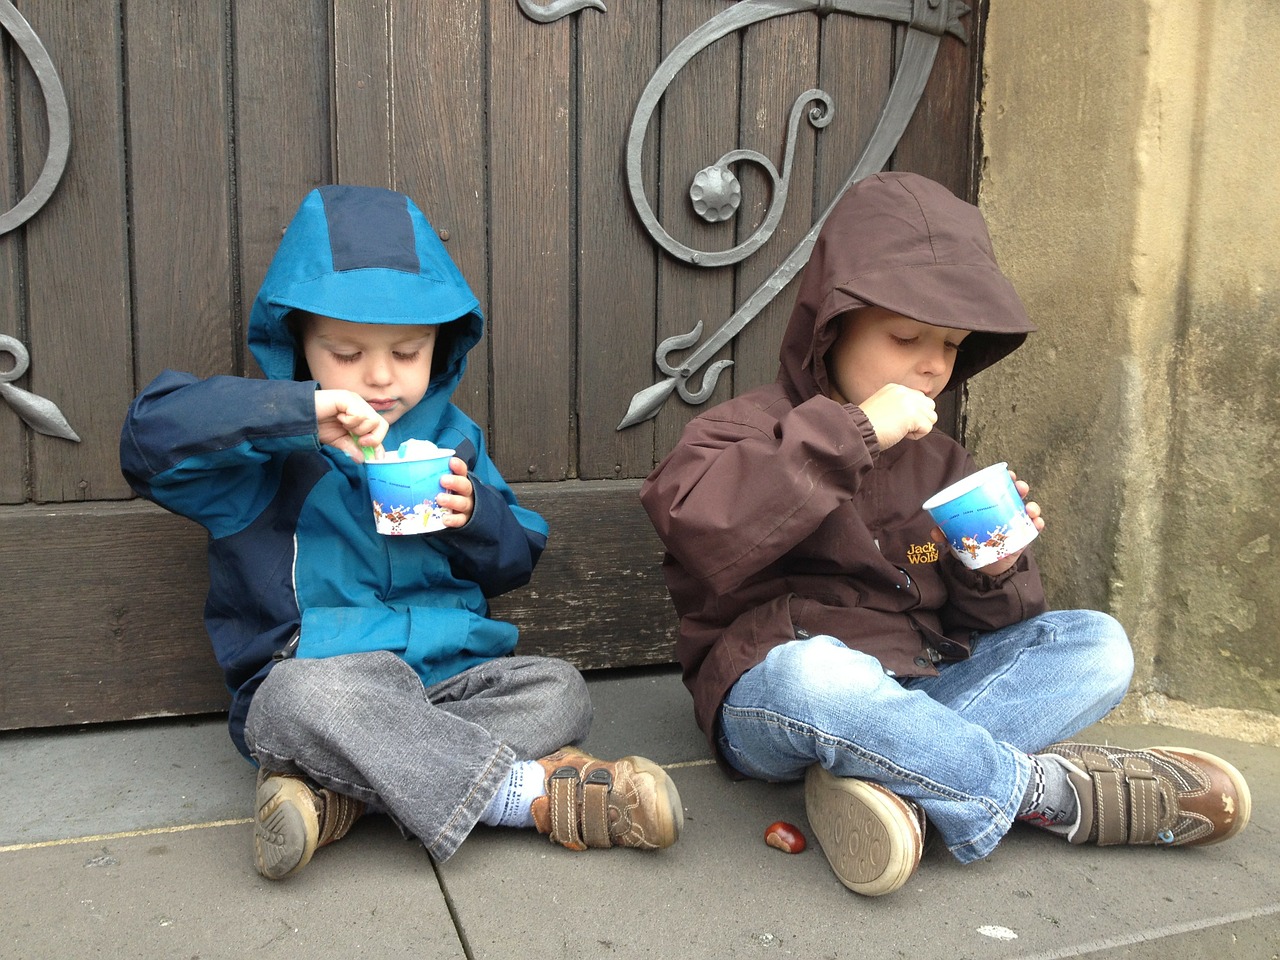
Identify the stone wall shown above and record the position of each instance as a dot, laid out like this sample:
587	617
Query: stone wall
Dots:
1130	182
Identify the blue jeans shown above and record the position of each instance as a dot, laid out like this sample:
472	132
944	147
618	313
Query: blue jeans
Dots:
956	743
432	758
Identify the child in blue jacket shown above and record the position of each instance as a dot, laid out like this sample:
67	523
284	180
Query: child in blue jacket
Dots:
364	669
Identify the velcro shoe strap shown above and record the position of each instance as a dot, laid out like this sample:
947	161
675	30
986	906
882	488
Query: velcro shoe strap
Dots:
595	808
562	795
1144	801
1110	801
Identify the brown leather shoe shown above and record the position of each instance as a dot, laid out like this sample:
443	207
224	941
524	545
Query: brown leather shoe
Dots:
596	803
295	818
1164	796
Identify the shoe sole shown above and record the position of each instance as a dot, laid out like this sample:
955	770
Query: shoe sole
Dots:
870	837
286	828
1244	801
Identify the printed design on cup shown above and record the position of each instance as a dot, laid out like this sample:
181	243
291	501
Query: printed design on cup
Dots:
422	517
983	517
997	541
404	486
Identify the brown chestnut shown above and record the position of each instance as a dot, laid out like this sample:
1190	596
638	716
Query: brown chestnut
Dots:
785	836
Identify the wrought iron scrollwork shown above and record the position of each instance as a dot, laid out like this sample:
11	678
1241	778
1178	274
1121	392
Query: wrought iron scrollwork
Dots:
927	21
556	9
40	414
55	104
716	193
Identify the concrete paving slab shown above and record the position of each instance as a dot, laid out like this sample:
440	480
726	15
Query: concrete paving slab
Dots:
722	892
648	712
111	778
194	893
133	841
117	777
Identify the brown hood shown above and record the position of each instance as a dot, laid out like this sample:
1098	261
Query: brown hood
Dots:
904	243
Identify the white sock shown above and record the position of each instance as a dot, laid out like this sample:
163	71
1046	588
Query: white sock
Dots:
1050	800
512	805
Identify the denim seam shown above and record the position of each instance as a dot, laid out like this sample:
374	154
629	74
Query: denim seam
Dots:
459	826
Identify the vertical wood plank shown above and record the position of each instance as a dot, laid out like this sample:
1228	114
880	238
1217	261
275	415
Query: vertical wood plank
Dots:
178	184
617	311
438	156
13	438
362	91
699	125
531	322
77	272
283	129
780	61
937	141
976	30
857	70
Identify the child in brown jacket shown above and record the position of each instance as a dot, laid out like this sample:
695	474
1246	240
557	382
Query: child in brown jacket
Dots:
826	634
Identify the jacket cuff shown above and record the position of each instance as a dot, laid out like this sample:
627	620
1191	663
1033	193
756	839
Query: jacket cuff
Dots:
976	579
865	429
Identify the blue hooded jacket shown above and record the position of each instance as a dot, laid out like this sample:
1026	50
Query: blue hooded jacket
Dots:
293	553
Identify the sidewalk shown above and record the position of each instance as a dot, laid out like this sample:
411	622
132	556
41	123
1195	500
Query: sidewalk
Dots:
133	841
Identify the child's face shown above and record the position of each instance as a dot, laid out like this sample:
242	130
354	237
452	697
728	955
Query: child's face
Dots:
877	347
389	365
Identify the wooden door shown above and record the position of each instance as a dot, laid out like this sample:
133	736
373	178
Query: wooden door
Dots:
196	129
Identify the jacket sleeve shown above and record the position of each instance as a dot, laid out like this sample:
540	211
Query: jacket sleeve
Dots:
976	601
735	495
501	543
211	449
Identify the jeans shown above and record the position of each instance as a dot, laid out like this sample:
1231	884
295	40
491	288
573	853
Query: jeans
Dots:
956	743
432	758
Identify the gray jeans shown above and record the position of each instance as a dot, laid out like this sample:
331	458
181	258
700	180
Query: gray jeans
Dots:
432	758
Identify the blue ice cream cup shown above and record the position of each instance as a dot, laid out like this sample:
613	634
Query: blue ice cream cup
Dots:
404	485
983	517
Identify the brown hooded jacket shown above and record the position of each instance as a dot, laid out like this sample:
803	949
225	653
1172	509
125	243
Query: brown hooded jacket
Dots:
781	515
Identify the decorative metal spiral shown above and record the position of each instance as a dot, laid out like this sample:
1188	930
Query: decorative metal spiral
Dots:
715	191
39	414
557	9
55	104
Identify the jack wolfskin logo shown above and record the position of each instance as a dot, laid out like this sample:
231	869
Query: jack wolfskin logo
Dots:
922	553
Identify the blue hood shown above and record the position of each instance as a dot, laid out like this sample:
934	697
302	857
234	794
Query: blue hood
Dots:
365	255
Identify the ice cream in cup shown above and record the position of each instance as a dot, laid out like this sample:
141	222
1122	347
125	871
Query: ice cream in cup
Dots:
982	516
404	485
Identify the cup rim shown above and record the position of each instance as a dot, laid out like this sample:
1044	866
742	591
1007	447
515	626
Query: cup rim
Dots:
965	485
393	461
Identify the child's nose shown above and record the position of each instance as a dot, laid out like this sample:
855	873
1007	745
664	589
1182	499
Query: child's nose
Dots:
379	370
935	361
